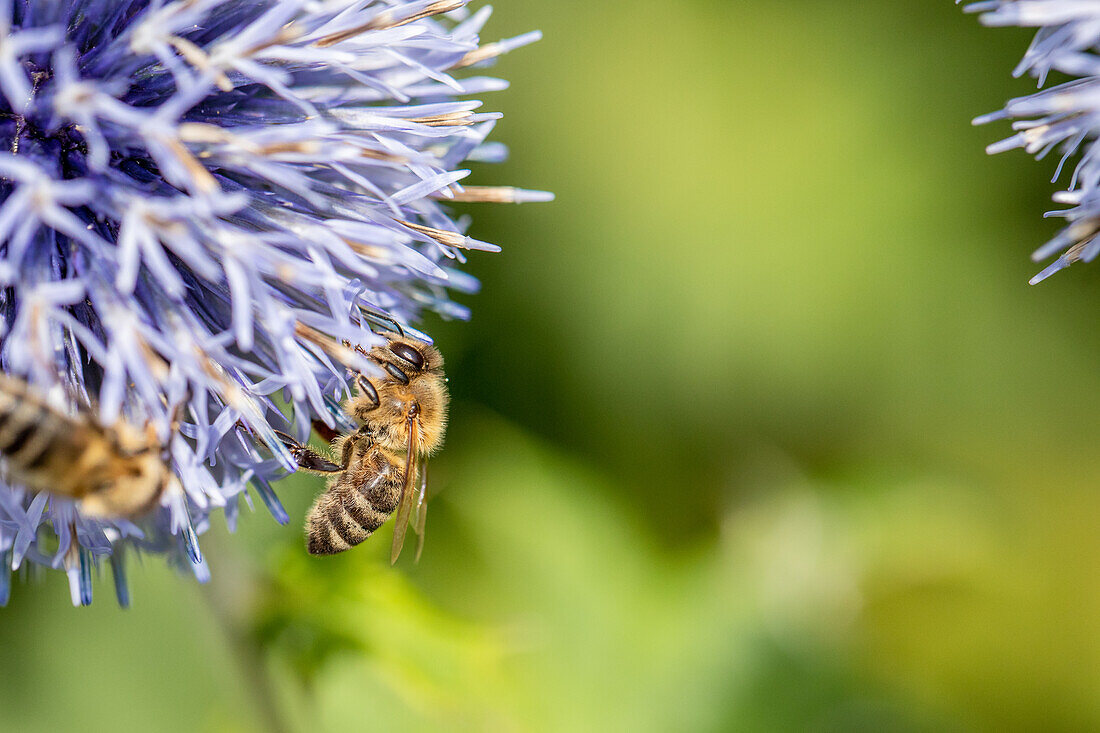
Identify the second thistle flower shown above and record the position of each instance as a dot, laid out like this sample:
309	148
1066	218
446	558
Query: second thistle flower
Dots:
1064	119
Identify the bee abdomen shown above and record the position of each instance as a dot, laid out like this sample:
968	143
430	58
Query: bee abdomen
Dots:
322	540
343	517
339	523
345	528
383	494
27	431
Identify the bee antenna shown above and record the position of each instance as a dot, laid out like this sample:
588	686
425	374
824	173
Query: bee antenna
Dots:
378	316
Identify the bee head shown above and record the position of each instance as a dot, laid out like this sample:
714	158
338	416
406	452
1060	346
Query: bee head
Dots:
403	357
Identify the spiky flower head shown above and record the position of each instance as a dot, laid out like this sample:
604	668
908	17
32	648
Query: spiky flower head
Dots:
1063	119
200	201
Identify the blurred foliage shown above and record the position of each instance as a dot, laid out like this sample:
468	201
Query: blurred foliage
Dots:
757	428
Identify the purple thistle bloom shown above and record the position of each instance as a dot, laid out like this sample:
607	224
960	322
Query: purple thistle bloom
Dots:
1064	118
199	201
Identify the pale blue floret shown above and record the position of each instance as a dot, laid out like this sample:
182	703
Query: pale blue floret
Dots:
188	190
1064	119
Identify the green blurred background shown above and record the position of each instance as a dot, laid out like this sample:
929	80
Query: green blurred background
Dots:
759	427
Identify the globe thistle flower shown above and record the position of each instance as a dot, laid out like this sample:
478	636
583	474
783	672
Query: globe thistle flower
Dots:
1063	119
201	203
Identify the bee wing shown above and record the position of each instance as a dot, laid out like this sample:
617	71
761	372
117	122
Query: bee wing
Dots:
421	510
404	508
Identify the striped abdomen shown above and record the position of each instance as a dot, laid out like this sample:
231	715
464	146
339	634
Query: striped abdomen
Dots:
358	502
41	445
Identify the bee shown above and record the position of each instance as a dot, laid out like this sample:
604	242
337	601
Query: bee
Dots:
116	471
401	419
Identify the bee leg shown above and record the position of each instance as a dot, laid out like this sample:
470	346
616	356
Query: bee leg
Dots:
308	459
347	448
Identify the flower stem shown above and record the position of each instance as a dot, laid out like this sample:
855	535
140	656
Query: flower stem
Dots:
228	595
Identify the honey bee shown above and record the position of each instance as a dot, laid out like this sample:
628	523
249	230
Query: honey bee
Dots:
401	419
116	471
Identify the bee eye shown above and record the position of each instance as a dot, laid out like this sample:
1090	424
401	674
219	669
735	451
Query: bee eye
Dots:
409	354
397	374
